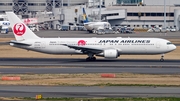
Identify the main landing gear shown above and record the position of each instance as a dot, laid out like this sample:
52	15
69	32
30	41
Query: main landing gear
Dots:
91	57
162	58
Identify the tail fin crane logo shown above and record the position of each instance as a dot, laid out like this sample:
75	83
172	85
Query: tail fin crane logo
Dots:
19	29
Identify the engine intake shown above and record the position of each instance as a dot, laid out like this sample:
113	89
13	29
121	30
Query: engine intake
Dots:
111	53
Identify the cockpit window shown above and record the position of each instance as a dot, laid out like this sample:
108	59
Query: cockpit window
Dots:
169	43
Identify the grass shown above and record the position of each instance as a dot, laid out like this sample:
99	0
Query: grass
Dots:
99	99
121	79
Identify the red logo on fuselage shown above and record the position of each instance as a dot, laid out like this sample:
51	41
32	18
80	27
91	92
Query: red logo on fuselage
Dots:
19	29
81	43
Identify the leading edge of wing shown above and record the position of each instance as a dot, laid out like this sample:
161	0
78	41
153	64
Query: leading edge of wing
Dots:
85	49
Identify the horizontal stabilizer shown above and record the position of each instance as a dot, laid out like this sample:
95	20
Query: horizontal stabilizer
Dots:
19	43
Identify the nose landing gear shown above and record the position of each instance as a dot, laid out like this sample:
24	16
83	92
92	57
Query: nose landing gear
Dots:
162	58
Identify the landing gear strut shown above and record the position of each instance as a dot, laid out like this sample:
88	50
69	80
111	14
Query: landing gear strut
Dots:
91	57
162	58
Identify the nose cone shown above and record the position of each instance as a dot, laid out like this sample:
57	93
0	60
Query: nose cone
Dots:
173	47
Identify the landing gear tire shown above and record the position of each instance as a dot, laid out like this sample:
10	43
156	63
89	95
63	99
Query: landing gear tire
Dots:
88	59
162	58
91	59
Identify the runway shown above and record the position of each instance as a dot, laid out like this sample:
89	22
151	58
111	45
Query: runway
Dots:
69	70
64	65
97	91
78	62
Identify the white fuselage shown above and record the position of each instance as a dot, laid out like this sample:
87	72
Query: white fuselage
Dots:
5	24
97	25
122	45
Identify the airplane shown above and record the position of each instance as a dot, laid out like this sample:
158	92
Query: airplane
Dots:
4	26
26	21
104	47
29	21
93	27
4	23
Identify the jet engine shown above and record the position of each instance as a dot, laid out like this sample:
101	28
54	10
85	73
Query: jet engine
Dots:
109	53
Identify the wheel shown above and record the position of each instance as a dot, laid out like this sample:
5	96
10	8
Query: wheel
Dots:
93	58
88	59
90	31
162	60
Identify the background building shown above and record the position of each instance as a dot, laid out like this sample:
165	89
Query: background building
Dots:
104	3
129	1
149	13
161	2
134	13
30	6
40	9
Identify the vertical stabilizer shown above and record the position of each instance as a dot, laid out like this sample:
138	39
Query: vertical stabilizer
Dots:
20	30
85	16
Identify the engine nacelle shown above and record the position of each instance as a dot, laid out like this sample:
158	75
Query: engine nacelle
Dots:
111	53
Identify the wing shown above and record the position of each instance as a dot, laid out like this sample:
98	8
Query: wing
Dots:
85	49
